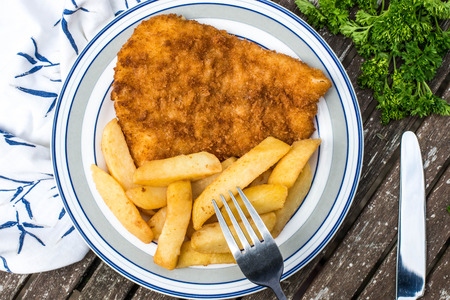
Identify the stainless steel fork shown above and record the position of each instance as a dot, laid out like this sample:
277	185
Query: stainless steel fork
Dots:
261	262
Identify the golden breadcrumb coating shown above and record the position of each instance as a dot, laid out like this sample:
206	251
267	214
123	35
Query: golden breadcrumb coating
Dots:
182	87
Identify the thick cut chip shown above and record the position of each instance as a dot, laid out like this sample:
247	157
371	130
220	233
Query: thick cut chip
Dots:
184	87
179	205
162	172
289	167
124	210
296	195
117	155
264	198
148	197
156	222
190	257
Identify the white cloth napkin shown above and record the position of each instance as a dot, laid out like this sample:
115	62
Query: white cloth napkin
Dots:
39	42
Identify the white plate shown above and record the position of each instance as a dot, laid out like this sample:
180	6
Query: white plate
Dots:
84	107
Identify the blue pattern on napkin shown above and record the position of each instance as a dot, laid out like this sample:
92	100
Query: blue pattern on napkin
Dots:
5	264
19	197
34	226
43	63
9	139
64	25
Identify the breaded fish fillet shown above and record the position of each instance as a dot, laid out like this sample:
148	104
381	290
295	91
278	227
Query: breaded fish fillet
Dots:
182	87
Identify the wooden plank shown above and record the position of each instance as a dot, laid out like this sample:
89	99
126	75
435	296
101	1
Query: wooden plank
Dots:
57	284
376	227
11	284
365	96
438	286
361	248
382	284
385	276
287	4
144	294
105	284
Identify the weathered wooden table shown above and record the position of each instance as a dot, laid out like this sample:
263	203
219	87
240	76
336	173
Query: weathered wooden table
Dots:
359	262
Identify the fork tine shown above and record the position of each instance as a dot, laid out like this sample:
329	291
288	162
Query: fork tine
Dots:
247	225
234	248
236	226
255	216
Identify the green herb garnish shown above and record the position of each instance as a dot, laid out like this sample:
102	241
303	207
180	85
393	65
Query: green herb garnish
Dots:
403	45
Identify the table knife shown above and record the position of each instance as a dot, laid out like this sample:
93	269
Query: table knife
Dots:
411	245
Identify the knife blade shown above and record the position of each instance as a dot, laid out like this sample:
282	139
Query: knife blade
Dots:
411	245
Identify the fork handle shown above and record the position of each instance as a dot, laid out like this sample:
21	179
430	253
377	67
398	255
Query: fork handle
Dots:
276	288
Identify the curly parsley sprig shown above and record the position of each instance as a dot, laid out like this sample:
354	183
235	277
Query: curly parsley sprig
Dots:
403	46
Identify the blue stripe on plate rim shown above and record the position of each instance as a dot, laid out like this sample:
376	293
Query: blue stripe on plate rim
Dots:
331	232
